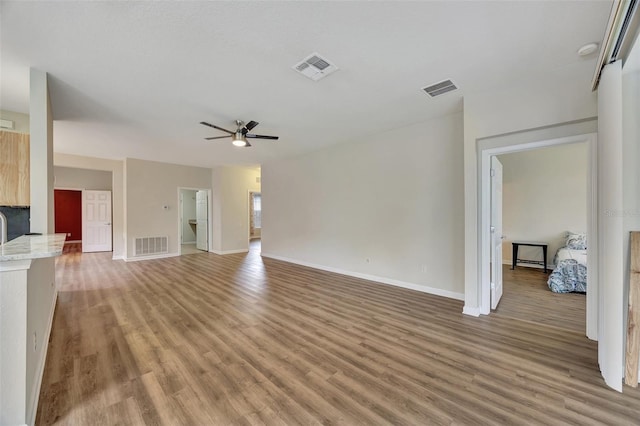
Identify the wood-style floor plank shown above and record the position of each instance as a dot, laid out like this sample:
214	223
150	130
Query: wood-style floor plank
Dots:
526	296
204	339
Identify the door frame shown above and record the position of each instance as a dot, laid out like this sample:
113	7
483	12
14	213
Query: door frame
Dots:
484	208
209	216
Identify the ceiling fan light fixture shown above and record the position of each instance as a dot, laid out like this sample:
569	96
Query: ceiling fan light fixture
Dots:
240	136
239	140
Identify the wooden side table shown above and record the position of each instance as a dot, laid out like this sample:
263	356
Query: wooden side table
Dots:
517	244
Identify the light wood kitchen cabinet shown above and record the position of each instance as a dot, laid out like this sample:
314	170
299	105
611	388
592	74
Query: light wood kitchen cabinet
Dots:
14	169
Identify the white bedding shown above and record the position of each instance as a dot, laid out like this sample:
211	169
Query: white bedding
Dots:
570	273
579	256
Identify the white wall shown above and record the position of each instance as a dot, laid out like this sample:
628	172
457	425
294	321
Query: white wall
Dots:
388	207
72	178
611	240
20	121
631	157
41	154
188	212
544	196
231	186
41	290
150	186
117	187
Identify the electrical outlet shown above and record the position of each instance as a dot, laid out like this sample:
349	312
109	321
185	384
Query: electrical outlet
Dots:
35	341
423	269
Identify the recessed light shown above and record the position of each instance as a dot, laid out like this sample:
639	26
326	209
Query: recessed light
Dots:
588	49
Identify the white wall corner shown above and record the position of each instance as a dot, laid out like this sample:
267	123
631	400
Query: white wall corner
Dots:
473	311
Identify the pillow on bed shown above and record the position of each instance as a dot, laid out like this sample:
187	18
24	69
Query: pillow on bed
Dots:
576	241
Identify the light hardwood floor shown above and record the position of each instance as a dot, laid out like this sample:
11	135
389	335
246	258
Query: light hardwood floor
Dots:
527	297
238	340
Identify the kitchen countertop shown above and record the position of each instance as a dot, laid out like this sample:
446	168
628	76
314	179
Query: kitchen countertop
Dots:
32	247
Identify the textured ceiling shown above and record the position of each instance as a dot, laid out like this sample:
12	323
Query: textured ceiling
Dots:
134	79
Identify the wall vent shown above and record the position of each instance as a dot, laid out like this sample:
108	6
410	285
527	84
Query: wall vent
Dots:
439	88
315	67
145	246
6	124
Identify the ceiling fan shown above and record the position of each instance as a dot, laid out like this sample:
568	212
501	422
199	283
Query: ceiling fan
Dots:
240	136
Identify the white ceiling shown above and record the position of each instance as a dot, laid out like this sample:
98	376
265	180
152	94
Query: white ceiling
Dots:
134	79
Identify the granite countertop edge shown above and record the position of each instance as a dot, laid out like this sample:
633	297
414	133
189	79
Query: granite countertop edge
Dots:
32	247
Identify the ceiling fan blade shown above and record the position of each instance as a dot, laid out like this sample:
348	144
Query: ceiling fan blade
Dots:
218	137
249	135
250	125
216	127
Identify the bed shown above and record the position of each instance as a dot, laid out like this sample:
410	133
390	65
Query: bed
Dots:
570	273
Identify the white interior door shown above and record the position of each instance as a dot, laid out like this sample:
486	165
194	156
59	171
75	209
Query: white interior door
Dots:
96	221
496	231
202	213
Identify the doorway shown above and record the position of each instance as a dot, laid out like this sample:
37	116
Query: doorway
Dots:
85	217
486	213
544	196
68	214
194	220
255	217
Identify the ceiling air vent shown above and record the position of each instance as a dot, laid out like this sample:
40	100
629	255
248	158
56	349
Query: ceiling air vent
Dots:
315	67
439	88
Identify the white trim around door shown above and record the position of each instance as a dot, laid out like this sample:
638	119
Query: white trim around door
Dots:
484	209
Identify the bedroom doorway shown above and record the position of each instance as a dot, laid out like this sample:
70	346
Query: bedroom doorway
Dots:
486	239
544	197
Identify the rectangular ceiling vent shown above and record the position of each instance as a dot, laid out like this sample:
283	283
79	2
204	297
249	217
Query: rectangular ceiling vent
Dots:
315	67
439	88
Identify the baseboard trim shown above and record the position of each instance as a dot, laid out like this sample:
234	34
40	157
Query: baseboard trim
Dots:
35	394
188	242
471	311
151	257
118	257
374	278
223	252
550	267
